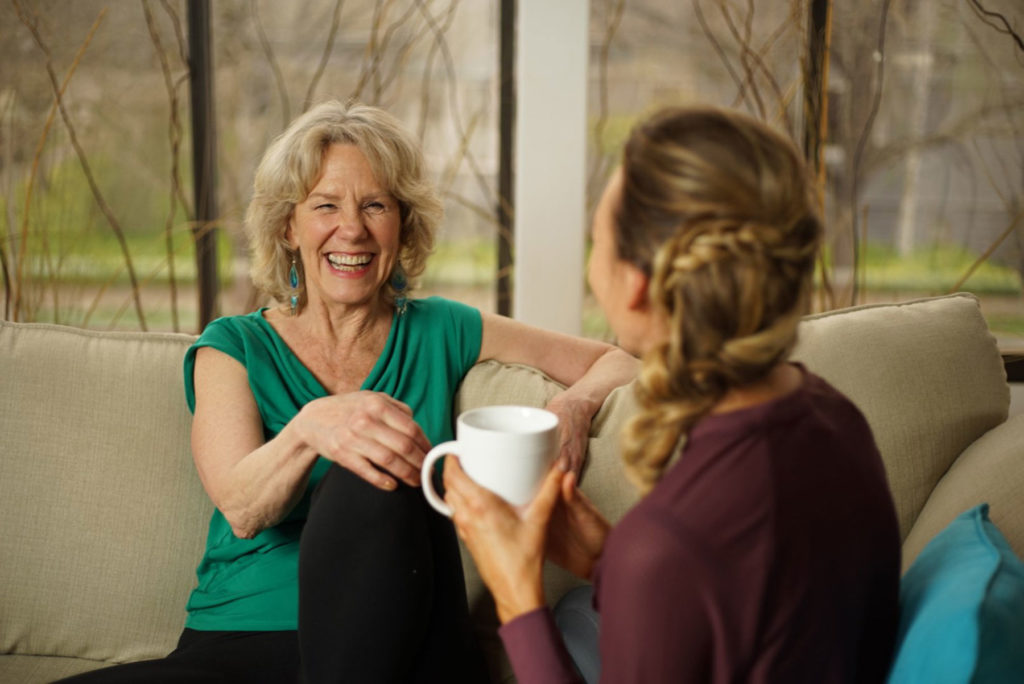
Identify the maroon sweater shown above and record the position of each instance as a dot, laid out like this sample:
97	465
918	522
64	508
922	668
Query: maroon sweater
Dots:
769	553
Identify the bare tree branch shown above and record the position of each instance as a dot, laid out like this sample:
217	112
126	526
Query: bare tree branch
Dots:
719	50
328	48
403	53
268	51
862	140
598	165
446	56
753	62
10	230
380	81
744	44
969	121
9	215
175	136
172	14
452	167
115	226
428	68
370	59
986	16
179	33
780	30
988	252
815	67
484	213
57	104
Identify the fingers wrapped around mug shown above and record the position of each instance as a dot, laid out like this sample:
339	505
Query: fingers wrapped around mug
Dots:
577	530
507	545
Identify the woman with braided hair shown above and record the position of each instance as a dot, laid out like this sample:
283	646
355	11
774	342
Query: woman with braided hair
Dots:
765	548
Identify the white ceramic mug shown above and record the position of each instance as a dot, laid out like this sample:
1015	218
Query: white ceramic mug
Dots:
507	449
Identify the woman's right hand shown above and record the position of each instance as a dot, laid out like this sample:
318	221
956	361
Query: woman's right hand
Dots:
576	530
369	433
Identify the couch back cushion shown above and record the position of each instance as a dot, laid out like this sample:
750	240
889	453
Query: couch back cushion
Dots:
927	375
104	519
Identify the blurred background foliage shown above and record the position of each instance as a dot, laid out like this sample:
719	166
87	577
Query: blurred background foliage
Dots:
921	135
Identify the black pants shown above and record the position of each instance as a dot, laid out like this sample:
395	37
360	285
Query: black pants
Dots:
212	657
381	599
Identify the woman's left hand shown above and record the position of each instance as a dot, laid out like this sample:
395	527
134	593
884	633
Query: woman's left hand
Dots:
573	432
507	545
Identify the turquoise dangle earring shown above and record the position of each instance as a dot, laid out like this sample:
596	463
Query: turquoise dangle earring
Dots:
399	283
293	280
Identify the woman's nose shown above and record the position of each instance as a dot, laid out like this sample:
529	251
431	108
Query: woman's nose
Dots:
350	224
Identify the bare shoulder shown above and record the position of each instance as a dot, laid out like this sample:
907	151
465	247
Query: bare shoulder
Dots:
220	376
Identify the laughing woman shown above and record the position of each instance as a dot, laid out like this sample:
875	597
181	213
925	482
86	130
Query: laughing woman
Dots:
323	561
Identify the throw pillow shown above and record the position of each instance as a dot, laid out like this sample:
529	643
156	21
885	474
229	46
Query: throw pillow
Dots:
962	608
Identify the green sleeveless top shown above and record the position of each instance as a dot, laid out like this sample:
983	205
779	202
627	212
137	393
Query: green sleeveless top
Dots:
252	584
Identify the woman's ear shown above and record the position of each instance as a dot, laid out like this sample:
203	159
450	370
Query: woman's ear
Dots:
636	288
288	235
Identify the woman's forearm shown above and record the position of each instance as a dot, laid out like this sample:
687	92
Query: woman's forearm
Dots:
260	489
612	369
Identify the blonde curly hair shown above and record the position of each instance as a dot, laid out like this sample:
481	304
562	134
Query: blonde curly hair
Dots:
717	210
292	165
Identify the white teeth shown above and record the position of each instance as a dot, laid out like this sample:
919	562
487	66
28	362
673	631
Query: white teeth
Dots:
349	259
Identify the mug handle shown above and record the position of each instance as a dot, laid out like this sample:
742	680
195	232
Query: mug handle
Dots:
437	452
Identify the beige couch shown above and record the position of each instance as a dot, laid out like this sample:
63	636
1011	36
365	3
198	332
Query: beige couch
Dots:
103	517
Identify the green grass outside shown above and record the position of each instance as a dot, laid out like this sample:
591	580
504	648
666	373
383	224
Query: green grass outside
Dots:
91	257
465	262
1006	324
936	269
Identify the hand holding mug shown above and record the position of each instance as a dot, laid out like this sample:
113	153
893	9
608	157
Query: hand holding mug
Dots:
576	530
507	544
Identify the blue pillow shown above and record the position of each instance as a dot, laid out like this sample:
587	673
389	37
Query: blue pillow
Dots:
962	608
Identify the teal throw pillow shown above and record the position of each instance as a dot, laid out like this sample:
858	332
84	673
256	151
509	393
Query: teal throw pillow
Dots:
962	608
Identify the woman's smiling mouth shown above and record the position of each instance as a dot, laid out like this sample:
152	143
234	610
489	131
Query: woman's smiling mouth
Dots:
349	263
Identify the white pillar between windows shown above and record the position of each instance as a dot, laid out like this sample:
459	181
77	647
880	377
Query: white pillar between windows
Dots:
550	156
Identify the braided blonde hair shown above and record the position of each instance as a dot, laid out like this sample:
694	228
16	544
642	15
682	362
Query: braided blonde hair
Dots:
716	210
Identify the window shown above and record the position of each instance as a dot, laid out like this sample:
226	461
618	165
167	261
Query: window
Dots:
923	153
922	132
98	207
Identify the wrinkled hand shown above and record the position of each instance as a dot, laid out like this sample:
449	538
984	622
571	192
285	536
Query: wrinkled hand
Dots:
508	546
576	531
573	433
369	433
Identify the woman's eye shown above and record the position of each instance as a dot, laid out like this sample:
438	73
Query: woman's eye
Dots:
324	206
375	207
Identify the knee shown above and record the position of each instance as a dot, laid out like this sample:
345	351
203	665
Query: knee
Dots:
347	504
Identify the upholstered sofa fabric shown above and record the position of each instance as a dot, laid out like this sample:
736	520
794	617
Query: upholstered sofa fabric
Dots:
989	470
926	375
103	517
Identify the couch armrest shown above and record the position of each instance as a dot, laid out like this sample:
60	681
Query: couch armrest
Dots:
990	470
492	383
